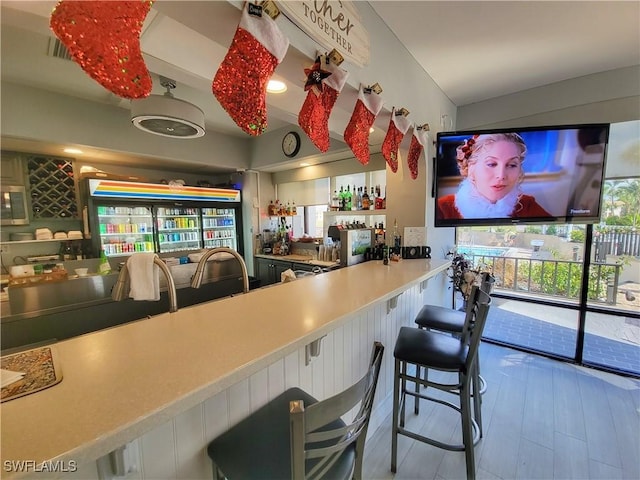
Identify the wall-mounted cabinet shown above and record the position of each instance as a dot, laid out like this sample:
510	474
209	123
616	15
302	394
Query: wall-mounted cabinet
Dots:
11	169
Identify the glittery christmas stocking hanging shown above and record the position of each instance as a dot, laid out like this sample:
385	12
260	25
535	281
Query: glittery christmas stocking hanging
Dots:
240	84
324	83
398	126
356	135
419	142
104	39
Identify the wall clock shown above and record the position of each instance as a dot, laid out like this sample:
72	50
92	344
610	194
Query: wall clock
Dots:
291	144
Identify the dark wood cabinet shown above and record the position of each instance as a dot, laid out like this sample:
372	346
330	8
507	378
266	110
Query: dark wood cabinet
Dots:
268	270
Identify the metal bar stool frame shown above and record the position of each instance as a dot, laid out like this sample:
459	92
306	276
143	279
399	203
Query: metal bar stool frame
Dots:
462	354
446	320
295	436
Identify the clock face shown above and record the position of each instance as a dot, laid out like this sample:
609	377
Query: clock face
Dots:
291	144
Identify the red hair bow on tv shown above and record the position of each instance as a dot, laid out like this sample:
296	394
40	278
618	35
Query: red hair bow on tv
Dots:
104	39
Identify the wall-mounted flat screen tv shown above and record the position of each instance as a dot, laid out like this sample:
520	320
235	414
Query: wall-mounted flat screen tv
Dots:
551	174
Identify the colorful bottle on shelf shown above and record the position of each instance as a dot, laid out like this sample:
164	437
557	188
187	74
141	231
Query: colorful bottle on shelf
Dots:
104	267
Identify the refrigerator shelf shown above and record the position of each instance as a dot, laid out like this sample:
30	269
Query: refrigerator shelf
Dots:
123	215
123	234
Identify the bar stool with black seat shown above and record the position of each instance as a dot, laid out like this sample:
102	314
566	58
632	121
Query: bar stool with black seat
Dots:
431	350
295	436
448	320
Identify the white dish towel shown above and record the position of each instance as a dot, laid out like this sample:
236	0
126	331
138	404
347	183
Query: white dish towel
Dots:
144	277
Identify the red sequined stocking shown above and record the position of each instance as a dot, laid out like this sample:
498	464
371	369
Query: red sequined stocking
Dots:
356	135
316	109
104	39
398	126
240	84
419	141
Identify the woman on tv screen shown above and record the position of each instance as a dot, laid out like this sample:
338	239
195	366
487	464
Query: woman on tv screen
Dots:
491	167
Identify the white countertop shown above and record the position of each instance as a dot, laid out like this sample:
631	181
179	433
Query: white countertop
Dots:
122	382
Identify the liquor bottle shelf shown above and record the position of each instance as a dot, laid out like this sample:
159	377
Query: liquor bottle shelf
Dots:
359	213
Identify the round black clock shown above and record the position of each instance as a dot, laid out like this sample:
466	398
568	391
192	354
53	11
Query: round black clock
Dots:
291	144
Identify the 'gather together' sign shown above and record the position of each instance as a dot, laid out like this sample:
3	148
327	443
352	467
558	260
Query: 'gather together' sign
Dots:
333	24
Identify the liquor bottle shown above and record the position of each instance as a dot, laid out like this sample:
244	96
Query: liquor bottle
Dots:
335	201
396	237
378	205
342	204
348	198
357	204
384	200
366	202
104	267
354	201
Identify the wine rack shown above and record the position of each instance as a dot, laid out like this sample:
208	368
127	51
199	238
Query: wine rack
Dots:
52	187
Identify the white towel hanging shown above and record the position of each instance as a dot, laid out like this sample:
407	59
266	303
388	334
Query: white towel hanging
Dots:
144	277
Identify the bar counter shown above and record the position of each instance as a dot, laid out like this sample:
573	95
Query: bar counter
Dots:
122	382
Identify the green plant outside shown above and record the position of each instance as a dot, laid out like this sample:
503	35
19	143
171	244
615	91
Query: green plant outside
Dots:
577	236
554	278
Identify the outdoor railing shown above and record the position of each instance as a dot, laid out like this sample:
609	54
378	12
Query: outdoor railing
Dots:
550	277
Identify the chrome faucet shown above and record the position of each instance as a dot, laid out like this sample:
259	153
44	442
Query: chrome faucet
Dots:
120	290
196	280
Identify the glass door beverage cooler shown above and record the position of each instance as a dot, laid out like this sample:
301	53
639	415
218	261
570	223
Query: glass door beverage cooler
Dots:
125	229
178	229
219	227
129	217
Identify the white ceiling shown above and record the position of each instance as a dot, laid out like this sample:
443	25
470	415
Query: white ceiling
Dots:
473	50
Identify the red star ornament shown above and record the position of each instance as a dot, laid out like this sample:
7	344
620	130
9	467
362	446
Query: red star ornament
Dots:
315	76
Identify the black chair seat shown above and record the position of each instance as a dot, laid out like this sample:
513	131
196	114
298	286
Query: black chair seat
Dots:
430	349
259	447
440	318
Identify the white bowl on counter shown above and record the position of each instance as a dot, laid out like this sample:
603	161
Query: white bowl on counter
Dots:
81	272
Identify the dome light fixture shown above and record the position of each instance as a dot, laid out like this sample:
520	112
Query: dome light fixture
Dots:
166	115
276	86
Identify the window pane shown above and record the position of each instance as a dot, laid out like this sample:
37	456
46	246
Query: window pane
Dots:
612	342
538	327
534	261
314	220
530	262
615	255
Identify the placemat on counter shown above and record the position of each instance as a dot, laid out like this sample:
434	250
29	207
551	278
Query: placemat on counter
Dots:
40	368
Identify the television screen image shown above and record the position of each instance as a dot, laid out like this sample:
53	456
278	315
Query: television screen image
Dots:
551	174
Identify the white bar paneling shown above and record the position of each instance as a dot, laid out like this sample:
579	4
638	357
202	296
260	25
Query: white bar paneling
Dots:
338	355
291	370
159	453
259	389
216	416
327	354
189	428
239	401
305	372
276	379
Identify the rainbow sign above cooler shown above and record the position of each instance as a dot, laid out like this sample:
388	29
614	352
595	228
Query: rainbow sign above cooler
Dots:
143	191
